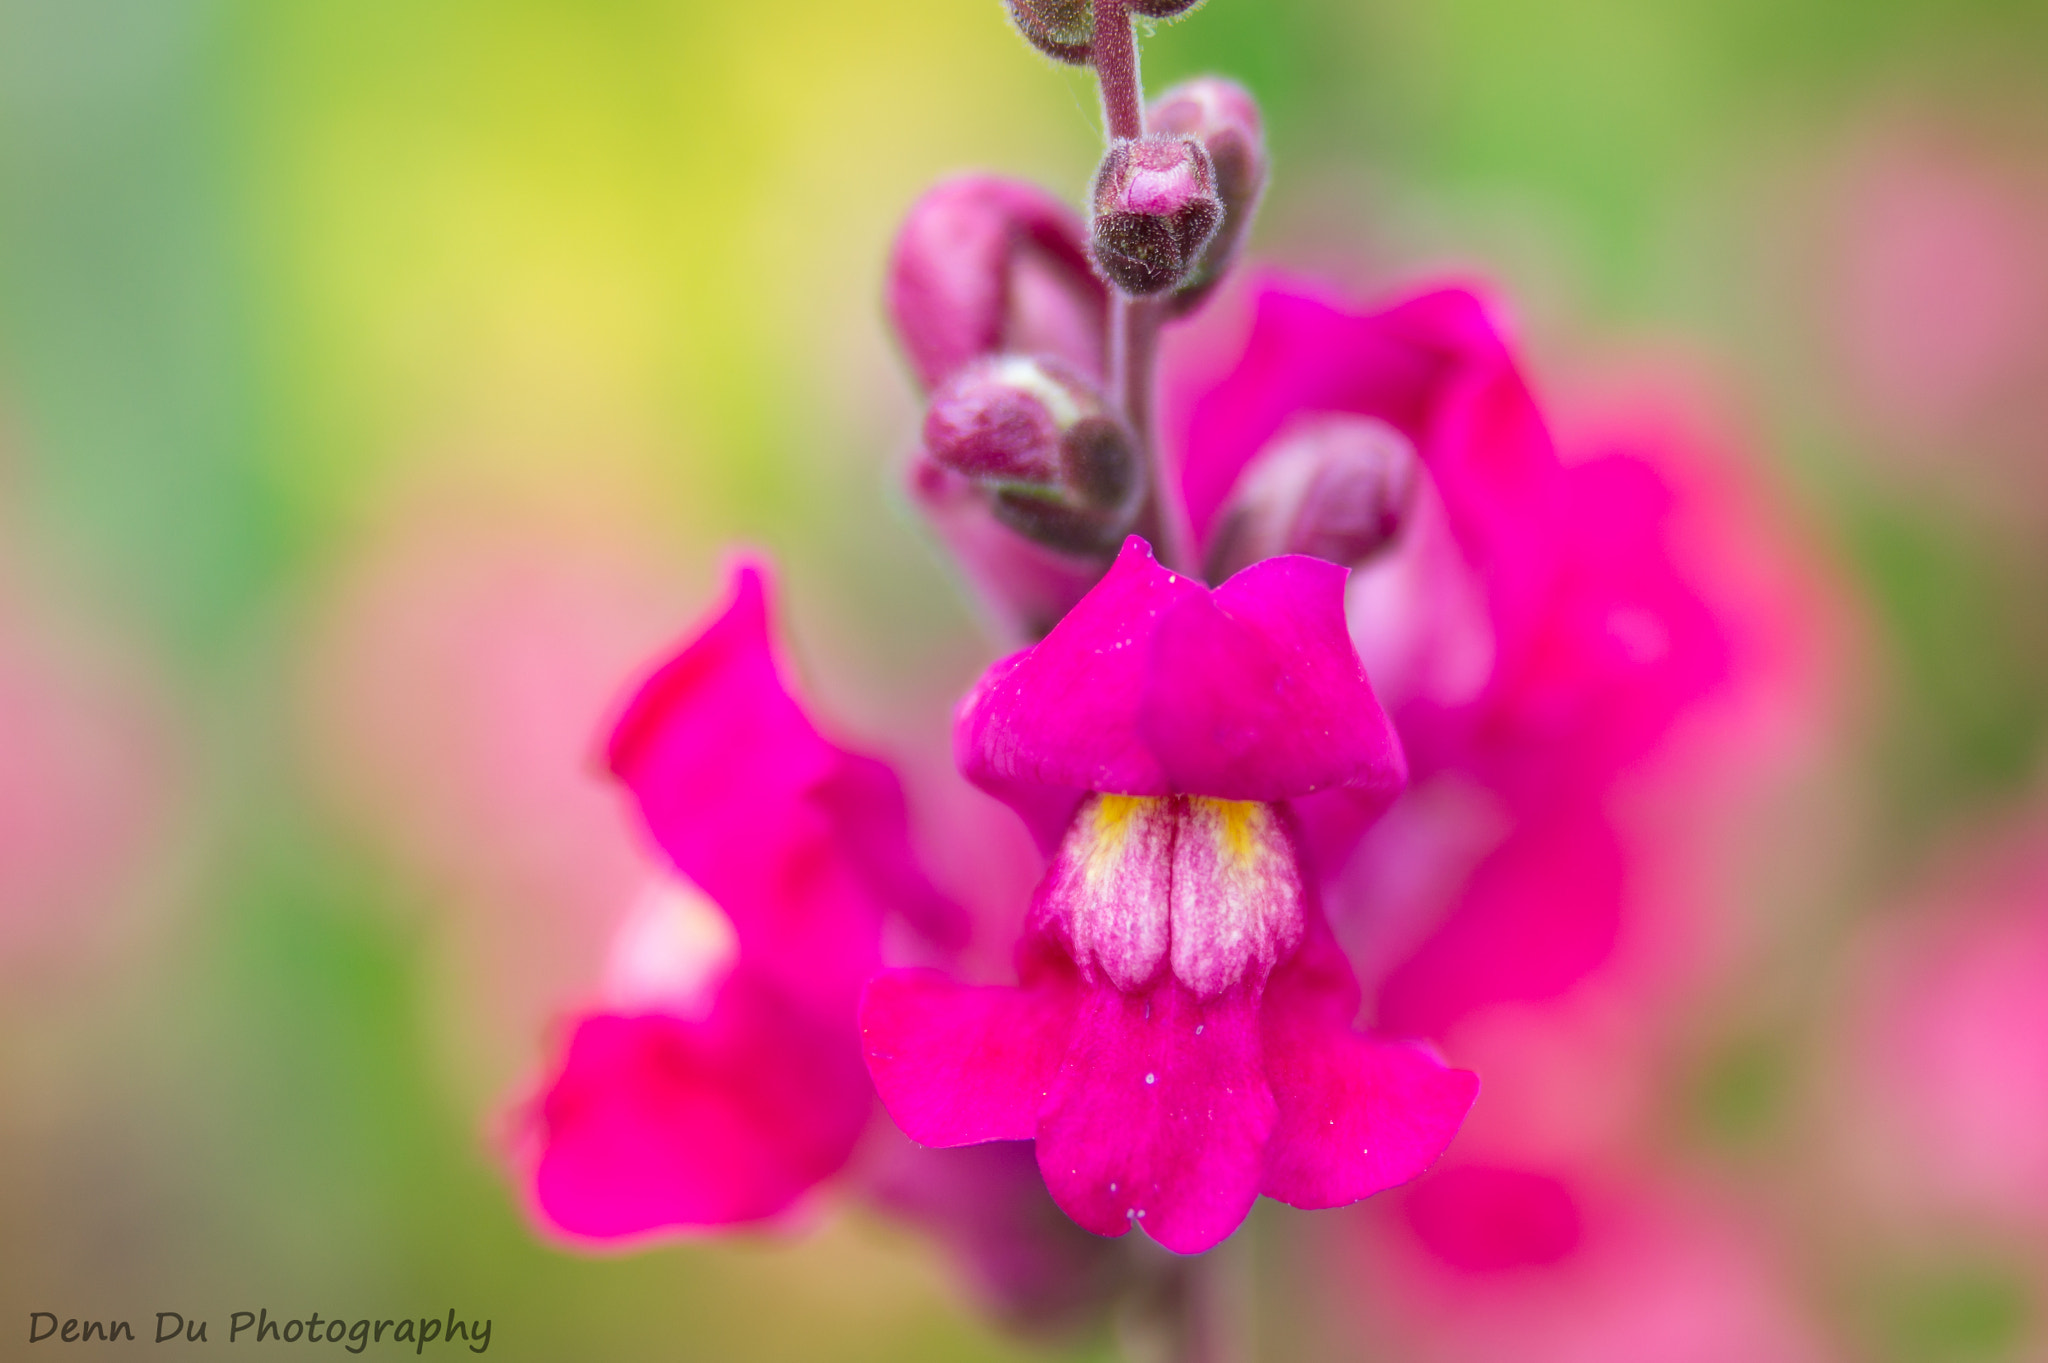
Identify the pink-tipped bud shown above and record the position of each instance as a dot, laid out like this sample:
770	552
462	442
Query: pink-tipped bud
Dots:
1155	209
1333	485
985	264
1058	466
1162	9
1222	116
1062	29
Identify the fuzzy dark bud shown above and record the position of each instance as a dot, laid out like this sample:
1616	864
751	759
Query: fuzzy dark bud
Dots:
1334	485
1155	210
1058	466
1162	9
1062	29
1222	116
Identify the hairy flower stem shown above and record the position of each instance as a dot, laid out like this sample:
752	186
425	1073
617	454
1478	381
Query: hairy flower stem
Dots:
1134	322
1116	69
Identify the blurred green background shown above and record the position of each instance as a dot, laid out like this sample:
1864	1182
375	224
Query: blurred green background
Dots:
285	284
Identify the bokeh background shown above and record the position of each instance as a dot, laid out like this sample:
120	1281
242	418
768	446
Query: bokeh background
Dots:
382	382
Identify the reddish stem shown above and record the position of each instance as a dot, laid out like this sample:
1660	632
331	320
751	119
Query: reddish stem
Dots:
1115	53
1134	322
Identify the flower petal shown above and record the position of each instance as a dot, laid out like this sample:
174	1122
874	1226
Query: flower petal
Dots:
863	797
1537	915
1159	1117
1153	685
1256	693
1356	1114
1624	643
1064	713
1480	1218
1433	366
654	1122
960	1064
803	844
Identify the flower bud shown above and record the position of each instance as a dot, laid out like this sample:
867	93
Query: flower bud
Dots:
1334	485
985	264
1062	29
1222	116
1161	9
1155	209
1059	467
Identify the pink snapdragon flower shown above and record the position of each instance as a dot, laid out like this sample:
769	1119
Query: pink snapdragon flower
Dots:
1486	1265
1540	625
1181	1038
85	784
1531	626
1527	624
1943	1050
722	1080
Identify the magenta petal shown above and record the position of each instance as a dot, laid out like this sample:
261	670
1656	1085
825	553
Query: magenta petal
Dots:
1357	1115
1538	915
1159	1117
1256	692
871	822
1153	685
1484	1219
1622	645
1064	713
1432	366
802	844
655	1121
713	735
958	1064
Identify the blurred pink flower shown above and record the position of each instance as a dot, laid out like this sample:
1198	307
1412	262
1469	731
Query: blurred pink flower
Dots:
1181	1041
1488	1265
723	1079
1944	1049
1565	640
1943	278
1537	629
86	782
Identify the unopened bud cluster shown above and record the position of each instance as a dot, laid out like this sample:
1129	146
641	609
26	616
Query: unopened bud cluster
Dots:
1171	208
1035	463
